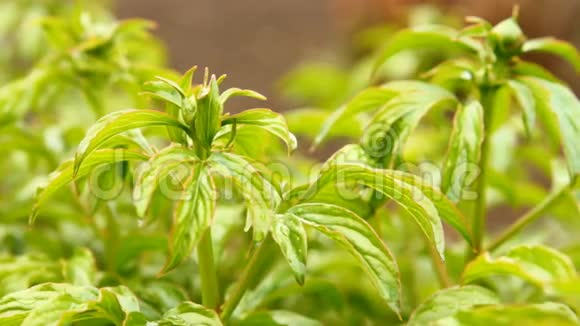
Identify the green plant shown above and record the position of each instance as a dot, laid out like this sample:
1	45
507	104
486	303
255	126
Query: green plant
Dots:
150	188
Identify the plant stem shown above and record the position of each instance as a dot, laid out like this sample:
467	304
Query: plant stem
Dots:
440	268
529	217
210	292
247	279
480	213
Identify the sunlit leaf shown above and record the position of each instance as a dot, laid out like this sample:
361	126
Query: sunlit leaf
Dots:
548	313
288	232
190	314
359	238
266	119
163	91
367	100
261	196
160	166
234	92
560	102
554	46
116	123
307	122
536	264
209	111
464	149
525	99
20	272
61	304
81	268
64	174
386	133
448	302
426	37
192	216
425	204
276	318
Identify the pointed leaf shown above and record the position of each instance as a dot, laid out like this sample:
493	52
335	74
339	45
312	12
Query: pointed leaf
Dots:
548	313
65	304
536	264
261	196
159	166
424	203
561	102
190	314
448	302
266	119
187	79
289	234
464	149
64	174
359	238
276	318
307	122
385	135
117	122
234	92
192	216
163	91
426	37
209	112
554	46
525	99
367	100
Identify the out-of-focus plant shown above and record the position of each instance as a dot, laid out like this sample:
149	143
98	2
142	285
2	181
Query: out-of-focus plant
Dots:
152	187
320	86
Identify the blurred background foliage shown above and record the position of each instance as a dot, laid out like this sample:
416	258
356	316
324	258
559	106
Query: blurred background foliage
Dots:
306	56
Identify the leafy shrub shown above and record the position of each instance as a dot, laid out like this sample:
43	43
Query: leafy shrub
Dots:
150	187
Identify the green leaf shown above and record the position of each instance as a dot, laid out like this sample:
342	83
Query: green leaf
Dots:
276	318
561	102
537	264
525	99
289	234
65	304
261	196
234	92
187	79
448	302
192	216
554	46
525	68
385	135
164	91
367	100
81	268
209	111
20	272
266	119
426	37
359	238
64	174
190	314
168	161
112	305
548	313
464	149
117	122
424	203
307	122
